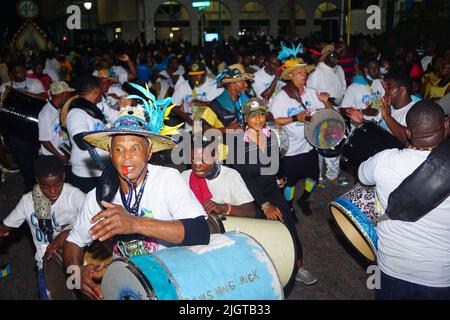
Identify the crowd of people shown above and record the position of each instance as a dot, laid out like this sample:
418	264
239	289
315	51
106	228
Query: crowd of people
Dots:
97	120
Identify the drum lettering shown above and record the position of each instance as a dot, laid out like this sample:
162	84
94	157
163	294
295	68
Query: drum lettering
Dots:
220	290
74	280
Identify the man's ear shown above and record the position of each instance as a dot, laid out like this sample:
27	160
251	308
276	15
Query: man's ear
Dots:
149	153
446	126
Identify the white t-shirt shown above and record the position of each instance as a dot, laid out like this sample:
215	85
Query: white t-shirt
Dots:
64	213
29	85
79	121
284	107
360	96
399	115
329	80
117	72
166	197
262	81
180	72
417	252
50	128
228	187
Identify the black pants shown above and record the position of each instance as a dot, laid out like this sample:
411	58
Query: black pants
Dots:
24	152
84	184
304	165
277	200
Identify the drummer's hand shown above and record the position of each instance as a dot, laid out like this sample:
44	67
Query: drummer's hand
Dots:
57	243
89	273
112	221
386	108
273	213
124	102
124	58
355	115
212	207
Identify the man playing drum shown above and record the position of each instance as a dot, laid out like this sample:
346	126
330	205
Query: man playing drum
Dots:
150	208
50	210
414	257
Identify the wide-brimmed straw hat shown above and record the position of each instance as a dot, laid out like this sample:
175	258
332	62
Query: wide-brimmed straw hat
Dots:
290	65
145	121
234	73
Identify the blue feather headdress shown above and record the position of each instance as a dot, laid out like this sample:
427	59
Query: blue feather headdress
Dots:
287	52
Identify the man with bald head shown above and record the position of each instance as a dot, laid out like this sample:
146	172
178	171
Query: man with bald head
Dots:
414	257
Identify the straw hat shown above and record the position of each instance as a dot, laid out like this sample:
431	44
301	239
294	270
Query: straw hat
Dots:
234	73
329	48
130	121
105	74
65	111
292	64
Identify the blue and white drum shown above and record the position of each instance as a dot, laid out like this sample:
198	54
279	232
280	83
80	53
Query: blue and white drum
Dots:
356	214
233	266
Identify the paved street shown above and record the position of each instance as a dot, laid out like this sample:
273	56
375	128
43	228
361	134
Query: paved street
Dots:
340	270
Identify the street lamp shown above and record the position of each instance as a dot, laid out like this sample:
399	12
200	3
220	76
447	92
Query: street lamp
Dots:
87	5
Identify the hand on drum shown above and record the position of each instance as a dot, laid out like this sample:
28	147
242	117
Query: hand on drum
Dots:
57	243
212	207
90	274
273	213
112	221
355	115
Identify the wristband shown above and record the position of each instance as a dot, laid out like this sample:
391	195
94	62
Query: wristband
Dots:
294	118
265	205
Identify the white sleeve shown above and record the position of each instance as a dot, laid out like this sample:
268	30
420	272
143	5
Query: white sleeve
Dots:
314	81
367	169
278	107
239	191
45	126
259	87
77	198
349	99
179	93
80	234
77	122
181	200
17	216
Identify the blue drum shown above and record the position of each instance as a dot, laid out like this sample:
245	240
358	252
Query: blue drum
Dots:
232	267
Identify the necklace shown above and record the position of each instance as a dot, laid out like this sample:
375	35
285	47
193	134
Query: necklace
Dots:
421	149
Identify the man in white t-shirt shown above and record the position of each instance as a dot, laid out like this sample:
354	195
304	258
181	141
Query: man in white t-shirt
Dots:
20	82
50	210
149	209
51	135
85	115
193	93
366	92
112	93
220	189
414	257
329	77
291	108
395	105
169	77
267	82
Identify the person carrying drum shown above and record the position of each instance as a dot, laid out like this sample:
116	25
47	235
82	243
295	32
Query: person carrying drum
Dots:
148	208
50	211
265	188
291	108
329	77
414	257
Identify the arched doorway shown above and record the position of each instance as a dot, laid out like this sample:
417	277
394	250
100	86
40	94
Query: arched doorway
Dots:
300	20
254	19
327	17
172	21
216	17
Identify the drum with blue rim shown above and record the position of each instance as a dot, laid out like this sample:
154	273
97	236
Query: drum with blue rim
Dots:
356	214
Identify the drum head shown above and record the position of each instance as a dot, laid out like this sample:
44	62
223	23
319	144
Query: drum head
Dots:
350	229
326	130
124	281
56	280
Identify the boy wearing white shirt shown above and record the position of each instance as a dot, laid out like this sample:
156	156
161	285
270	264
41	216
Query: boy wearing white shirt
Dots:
19	81
50	210
267	83
414	257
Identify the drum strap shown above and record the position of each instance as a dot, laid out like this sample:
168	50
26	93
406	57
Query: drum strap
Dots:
293	93
431	178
